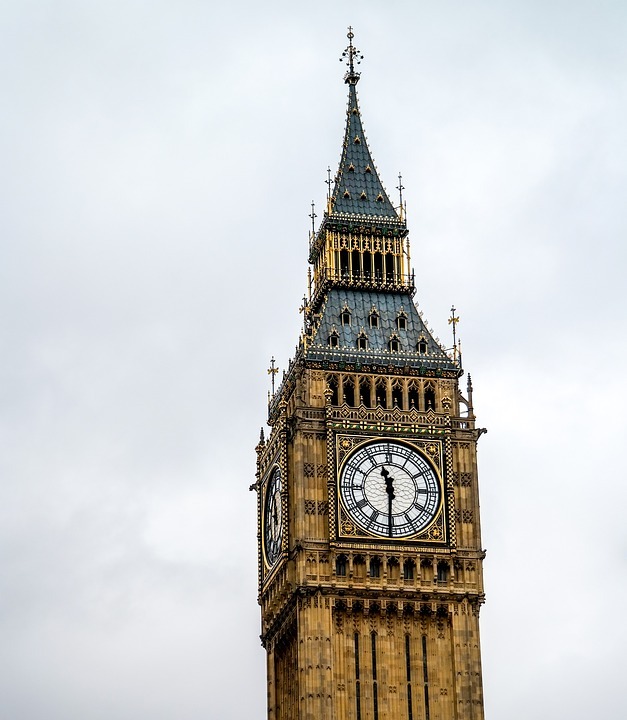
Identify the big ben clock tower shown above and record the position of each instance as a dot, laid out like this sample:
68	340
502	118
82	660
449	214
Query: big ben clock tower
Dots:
370	557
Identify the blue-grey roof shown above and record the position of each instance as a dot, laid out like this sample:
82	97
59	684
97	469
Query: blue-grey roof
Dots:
388	306
358	189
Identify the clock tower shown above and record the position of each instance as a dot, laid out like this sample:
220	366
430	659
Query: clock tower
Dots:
369	544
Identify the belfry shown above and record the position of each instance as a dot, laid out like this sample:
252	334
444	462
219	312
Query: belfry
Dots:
369	544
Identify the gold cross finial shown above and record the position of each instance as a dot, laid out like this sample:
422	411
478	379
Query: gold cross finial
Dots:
272	371
453	320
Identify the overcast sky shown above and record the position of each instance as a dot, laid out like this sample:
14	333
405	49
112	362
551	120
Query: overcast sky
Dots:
157	164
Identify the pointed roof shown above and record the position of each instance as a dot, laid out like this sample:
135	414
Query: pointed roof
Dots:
417	348
358	189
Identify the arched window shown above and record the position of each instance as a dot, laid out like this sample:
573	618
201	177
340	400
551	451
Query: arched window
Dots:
364	392
344	263
412	396
332	383
443	572
401	320
422	346
429	397
362	340
374	318
378	267
397	395
367	260
355	265
394	344
389	267
345	315
349	391
381	393
340	566
334	339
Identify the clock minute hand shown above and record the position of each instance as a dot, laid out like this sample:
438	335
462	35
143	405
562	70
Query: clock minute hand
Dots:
389	489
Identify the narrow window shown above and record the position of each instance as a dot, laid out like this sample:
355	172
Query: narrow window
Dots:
349	392
408	570
413	397
422	347
401	322
364	392
410	710
357	681
346	317
375	689
355	265
389	267
378	267
332	383
375	567
340	566
367	258
374	319
344	263
425	675
334	340
362	343
394	345
397	396
429	398
442	572
381	394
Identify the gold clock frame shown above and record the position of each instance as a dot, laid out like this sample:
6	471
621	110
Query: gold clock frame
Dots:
433	451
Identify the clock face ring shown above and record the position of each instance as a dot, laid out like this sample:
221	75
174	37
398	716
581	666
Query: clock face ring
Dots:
273	519
389	489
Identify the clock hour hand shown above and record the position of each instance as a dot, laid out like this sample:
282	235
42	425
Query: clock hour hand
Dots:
389	489
389	480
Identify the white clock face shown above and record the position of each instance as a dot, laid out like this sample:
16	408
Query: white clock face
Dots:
272	519
389	489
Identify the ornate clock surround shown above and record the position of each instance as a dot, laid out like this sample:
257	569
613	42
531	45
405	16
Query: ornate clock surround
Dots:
342	528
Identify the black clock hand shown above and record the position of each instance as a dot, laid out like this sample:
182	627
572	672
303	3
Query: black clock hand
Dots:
389	489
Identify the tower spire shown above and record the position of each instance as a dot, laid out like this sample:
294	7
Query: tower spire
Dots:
358	189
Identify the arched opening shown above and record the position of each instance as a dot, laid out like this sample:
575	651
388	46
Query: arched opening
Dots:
389	267
332	383
349	392
367	260
355	260
443	572
344	263
381	393
378	267
413	396
340	566
429	397
364	392
397	396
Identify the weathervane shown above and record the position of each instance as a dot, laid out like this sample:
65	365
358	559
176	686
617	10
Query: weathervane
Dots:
351	56
272	371
453	320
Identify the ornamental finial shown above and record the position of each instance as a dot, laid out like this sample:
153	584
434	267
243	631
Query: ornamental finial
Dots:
352	56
